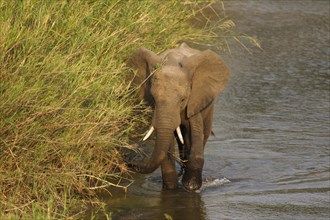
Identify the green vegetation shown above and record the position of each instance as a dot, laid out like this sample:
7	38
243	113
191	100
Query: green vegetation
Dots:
66	108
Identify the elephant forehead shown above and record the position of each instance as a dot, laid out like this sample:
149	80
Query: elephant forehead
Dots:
174	72
170	78
172	58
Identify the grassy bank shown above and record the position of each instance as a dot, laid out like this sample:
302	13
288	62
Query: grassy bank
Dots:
66	109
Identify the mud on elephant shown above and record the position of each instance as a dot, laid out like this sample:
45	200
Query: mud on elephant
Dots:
181	85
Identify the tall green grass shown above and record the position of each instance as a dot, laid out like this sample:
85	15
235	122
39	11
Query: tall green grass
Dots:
66	108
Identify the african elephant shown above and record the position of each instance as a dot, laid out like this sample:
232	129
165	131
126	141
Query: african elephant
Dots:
181	85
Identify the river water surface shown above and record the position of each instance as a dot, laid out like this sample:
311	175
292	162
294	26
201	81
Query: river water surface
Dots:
271	126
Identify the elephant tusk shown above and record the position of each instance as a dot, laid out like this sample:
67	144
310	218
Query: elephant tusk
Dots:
149	133
178	131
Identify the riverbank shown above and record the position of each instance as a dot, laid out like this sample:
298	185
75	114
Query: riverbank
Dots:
66	107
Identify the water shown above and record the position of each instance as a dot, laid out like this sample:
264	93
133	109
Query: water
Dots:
271	125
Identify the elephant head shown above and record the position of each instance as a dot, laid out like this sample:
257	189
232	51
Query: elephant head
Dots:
179	84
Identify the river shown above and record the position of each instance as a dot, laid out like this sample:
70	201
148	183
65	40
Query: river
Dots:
271	126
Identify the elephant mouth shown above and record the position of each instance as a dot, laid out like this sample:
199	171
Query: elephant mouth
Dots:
178	131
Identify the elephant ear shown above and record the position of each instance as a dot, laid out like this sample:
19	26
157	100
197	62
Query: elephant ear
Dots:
144	61
209	76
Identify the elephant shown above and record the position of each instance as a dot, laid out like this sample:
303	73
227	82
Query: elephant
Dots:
180	85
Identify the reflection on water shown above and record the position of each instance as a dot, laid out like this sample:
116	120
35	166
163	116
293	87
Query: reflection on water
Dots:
271	126
159	205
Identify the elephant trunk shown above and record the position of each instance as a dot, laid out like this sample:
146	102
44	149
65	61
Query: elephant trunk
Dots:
164	139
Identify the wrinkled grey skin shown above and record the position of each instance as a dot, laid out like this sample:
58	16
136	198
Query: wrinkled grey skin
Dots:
181	85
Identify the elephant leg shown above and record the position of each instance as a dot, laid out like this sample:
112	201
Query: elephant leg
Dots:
170	178
192	178
207	120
